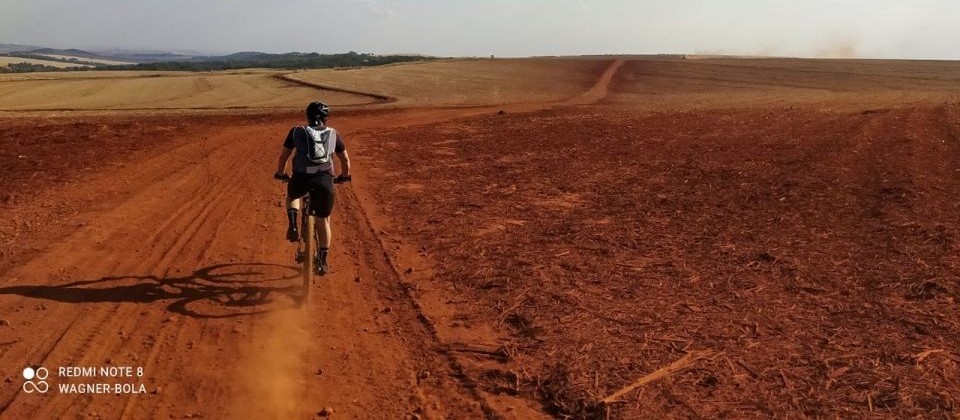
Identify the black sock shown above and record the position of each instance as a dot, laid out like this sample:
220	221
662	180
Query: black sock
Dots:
323	255
292	217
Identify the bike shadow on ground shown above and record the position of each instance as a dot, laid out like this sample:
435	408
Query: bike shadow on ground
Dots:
217	291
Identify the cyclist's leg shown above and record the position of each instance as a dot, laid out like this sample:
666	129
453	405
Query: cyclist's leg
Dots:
323	232
321	196
296	189
293	203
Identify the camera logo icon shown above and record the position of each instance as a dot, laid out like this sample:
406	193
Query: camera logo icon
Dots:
36	380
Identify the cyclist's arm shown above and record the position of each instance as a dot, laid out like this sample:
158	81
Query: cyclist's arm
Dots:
284	157
286	151
344	163
341	149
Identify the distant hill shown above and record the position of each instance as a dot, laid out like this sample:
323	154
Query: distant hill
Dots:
68	52
253	59
243	55
130	57
151	60
145	56
8	48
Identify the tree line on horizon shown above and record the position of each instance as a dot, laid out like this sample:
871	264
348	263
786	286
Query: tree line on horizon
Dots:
243	60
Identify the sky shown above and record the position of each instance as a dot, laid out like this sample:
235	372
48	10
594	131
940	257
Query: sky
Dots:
802	28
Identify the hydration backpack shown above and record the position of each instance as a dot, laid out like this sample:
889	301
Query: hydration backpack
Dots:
321	144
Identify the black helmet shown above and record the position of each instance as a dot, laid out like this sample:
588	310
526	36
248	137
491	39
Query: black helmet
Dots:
317	111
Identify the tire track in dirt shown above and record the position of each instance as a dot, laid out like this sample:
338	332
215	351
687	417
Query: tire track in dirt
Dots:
148	263
601	89
201	250
186	221
180	246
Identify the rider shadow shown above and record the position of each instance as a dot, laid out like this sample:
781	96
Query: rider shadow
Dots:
217	291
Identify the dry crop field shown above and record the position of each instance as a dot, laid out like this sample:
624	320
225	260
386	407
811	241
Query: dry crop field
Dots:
622	237
131	91
468	82
769	83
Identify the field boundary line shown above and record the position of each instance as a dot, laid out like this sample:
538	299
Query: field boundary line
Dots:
385	99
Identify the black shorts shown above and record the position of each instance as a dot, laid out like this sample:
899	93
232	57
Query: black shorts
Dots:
320	187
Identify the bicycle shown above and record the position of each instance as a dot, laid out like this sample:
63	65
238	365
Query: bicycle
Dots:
306	255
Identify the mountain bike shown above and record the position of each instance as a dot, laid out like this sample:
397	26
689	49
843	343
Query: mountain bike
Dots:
305	247
307	255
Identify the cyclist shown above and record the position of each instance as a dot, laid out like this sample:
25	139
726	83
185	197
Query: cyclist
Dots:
313	147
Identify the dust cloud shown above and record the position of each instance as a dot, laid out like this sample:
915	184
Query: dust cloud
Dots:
838	47
270	377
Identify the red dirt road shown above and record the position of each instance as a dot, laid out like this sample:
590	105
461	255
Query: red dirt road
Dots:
183	272
520	265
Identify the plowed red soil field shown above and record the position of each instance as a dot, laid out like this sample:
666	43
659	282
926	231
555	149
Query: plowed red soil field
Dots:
774	243
812	255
